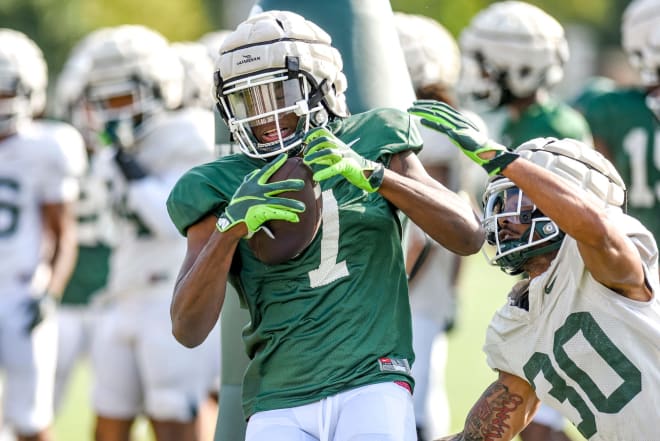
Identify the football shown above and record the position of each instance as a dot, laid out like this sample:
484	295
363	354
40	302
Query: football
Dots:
290	239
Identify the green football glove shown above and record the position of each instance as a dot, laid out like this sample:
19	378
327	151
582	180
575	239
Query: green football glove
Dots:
254	202
325	149
462	132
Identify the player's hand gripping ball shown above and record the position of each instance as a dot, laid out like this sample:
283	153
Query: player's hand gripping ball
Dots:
279	241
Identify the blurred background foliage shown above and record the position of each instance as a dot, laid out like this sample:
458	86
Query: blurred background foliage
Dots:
57	24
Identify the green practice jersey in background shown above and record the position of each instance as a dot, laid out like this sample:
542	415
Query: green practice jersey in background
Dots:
548	119
94	230
624	125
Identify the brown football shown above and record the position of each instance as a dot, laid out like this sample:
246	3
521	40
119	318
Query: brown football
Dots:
290	239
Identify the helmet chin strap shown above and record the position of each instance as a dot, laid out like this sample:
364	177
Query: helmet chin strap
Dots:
512	263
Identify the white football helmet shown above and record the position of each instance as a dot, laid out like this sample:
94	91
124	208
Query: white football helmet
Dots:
198	74
134	76
431	53
640	38
69	103
274	65
639	18
575	162
213	41
23	80
514	49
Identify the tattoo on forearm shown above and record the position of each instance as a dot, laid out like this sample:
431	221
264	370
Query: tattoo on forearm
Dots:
488	419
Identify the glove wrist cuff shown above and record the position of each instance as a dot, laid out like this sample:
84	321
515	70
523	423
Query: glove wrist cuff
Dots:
376	178
223	224
496	165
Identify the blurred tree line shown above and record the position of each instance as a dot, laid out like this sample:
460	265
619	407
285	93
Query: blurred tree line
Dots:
57	24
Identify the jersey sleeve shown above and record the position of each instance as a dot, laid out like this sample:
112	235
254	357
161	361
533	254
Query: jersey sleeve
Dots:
65	162
192	198
507	323
207	189
383	133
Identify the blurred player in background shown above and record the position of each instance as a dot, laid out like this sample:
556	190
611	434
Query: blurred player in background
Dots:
515	53
198	97
133	86
93	210
325	363
581	331
434	63
624	120
40	163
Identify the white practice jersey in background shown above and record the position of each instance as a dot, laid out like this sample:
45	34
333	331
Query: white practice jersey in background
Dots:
590	353
40	164
149	250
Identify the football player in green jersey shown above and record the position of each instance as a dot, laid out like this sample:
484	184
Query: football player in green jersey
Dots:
581	332
330	332
624	121
517	52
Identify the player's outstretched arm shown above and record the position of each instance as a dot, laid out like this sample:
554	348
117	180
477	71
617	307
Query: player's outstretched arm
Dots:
608	253
502	411
445	216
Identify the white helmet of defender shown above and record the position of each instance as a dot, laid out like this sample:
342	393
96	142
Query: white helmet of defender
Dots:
23	80
277	63
575	162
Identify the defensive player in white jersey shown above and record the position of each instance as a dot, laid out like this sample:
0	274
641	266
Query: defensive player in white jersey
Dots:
433	60
134	82
516	53
40	162
582	332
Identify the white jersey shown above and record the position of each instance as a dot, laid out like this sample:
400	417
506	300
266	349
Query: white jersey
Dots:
149	250
41	164
590	353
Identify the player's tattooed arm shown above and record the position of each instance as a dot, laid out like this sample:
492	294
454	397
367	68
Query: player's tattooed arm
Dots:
502	411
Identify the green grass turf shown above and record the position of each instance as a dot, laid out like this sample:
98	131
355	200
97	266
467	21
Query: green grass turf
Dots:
482	290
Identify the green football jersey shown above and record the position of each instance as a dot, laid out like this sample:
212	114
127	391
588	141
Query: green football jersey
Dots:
337	316
94	236
621	120
548	119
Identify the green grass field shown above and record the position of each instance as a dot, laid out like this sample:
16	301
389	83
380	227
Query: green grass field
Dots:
482	291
